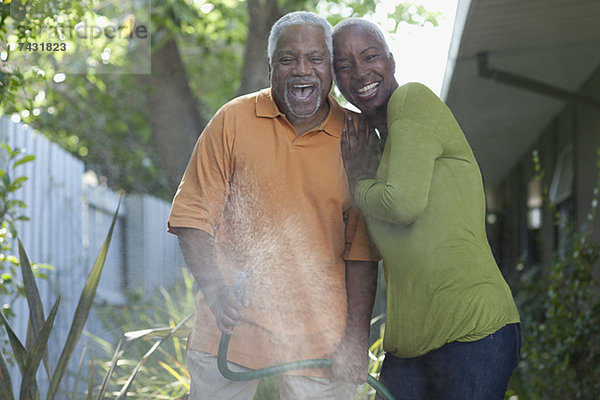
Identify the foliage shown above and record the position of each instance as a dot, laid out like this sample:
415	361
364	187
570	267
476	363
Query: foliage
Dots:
560	312
414	14
211	38
74	98
102	118
26	22
28	357
124	152
165	376
10	212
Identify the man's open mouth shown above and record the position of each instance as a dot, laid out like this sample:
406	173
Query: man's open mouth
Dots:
302	91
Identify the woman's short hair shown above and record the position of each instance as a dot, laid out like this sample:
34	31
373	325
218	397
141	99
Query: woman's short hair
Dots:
367	25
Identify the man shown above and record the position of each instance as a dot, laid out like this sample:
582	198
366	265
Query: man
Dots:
265	192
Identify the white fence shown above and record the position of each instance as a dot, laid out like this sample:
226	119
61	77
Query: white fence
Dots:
69	221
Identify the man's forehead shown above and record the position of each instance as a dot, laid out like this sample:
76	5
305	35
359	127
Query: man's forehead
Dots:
315	51
300	34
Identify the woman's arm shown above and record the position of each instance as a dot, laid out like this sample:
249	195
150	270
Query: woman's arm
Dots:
403	196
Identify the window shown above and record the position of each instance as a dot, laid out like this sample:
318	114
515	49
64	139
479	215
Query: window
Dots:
561	187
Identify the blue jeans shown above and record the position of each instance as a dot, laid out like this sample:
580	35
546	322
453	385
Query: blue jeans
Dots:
478	370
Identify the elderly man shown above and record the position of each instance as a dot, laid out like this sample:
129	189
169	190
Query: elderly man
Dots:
265	193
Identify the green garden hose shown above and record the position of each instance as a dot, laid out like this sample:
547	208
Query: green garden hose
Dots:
278	369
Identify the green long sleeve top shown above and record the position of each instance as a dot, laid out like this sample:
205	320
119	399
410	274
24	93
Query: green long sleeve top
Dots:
425	210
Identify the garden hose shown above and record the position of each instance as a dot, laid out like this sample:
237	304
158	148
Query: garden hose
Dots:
278	369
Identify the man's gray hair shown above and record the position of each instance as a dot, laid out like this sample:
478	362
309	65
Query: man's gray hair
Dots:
299	18
367	25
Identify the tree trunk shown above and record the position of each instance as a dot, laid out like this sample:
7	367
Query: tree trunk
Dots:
173	111
262	15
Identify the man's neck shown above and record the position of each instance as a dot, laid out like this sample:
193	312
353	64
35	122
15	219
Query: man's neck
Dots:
303	125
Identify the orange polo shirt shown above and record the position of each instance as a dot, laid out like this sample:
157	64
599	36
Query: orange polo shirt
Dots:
279	205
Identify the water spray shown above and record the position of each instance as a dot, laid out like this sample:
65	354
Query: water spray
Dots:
240	291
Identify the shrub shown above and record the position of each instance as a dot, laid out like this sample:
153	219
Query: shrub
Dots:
560	311
29	357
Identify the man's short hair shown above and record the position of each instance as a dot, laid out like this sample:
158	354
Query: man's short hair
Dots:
367	25
299	18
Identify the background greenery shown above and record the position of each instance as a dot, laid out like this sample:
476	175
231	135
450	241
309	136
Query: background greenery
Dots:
137	130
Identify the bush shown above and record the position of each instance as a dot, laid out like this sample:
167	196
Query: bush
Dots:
142	327
10	213
560	311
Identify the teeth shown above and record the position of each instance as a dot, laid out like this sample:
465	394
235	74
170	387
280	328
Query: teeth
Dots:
303	86
368	87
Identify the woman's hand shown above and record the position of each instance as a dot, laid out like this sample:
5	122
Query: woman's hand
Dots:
361	151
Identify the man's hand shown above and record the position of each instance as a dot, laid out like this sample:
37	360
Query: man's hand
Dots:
198	249
225	306
351	360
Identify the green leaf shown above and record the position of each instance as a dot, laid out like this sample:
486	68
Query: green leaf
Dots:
154	333
79	367
39	349
6	147
82	311
18	182
113	363
6	390
16	203
18	349
24	160
32	294
91	381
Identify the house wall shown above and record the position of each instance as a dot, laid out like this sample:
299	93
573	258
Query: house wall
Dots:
515	244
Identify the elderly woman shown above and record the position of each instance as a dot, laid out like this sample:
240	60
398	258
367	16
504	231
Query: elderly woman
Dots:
452	327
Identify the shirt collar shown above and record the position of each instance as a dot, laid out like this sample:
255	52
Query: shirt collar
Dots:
333	124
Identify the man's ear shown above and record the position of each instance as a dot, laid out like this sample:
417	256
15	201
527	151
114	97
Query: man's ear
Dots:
269	71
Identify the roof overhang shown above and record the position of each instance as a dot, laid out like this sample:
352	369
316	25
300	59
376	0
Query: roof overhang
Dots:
553	42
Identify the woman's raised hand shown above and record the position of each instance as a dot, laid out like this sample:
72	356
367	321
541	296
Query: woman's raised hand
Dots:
361	150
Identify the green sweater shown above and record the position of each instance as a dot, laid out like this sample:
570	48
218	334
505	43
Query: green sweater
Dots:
425	210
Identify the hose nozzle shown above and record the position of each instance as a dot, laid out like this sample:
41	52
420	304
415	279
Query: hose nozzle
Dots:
240	287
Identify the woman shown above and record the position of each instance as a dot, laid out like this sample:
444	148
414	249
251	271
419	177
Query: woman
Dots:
452	327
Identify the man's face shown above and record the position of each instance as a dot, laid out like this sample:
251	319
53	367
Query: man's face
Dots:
364	72
301	73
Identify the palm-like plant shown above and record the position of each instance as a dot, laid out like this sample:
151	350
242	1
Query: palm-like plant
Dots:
29	357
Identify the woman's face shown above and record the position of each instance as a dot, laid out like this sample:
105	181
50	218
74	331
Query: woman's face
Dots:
364	71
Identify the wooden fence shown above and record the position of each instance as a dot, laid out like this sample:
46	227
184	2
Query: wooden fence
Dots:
69	219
